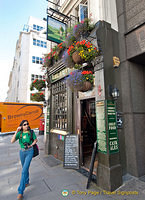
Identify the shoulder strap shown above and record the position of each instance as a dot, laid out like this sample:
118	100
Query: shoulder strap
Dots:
31	138
21	135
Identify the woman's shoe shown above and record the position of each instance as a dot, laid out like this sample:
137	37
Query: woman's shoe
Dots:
19	197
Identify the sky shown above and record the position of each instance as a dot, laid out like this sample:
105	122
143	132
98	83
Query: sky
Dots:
13	15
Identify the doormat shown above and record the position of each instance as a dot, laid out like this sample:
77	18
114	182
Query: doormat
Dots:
52	161
86	173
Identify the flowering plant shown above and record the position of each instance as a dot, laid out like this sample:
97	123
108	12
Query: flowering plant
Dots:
47	60
55	52
88	76
38	84
86	50
82	28
37	96
76	79
67	60
70	39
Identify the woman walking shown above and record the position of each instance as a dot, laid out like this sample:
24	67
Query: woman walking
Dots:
23	133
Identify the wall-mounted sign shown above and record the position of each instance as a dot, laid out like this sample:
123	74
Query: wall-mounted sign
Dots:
119	120
112	127
61	74
56	30
116	62
101	127
99	83
71	152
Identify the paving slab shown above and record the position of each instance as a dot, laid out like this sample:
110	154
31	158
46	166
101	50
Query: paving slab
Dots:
48	178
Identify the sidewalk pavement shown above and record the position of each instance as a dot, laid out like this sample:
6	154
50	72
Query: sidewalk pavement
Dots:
48	178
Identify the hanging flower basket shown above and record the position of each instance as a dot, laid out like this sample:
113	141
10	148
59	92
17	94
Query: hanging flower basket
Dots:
47	63
80	80
86	86
82	51
37	97
76	57
38	84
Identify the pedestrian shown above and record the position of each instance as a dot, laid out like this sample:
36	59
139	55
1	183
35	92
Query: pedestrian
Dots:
23	133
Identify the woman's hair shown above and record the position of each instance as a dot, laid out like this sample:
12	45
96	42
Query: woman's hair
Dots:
22	122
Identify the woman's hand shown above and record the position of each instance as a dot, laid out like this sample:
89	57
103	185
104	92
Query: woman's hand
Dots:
18	129
34	142
14	136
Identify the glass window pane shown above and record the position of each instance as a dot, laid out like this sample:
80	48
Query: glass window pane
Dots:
38	28
34	41
37	60
34	26
83	12
33	59
59	105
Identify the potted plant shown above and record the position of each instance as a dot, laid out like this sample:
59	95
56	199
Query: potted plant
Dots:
57	50
70	39
48	60
88	80
67	60
37	96
82	51
80	80
38	84
54	55
82	29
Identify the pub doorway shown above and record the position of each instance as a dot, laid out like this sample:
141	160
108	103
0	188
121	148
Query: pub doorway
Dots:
88	131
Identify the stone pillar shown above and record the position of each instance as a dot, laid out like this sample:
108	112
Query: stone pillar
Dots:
109	171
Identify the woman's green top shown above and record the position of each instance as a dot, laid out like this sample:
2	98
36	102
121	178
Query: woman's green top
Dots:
25	137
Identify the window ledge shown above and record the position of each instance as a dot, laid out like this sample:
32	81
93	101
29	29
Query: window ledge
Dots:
60	132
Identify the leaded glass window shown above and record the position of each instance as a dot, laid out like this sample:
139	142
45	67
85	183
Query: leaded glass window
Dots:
59	101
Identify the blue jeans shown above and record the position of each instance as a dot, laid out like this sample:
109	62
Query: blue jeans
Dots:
25	157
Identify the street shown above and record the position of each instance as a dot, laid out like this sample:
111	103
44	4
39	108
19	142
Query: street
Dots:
50	181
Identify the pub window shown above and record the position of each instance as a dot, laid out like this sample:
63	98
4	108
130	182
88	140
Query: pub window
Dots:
59	93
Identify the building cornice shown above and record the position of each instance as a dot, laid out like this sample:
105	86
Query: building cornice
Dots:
68	5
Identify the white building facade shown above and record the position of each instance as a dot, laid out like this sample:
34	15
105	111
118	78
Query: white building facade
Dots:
27	66
104	10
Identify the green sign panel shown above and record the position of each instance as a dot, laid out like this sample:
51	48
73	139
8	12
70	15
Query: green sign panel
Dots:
112	127
101	127
47	120
56	30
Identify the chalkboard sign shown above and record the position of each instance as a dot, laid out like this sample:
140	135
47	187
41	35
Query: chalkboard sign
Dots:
71	152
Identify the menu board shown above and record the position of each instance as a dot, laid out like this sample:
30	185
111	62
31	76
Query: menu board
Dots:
71	152
112	127
101	127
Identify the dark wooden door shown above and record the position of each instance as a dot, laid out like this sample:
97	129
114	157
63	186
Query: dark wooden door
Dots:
88	129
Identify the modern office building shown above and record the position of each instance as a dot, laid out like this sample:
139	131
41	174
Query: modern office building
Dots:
27	66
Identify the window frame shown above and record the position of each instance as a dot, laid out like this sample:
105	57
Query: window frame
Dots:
60	105
83	5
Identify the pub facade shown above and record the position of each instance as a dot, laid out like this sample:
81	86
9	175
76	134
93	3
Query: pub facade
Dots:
112	110
91	113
